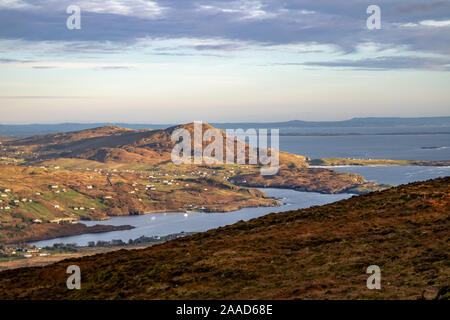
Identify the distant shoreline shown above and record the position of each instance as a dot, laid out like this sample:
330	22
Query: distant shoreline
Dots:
348	162
318	134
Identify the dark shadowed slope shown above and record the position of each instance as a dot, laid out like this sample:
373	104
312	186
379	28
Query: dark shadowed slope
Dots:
320	252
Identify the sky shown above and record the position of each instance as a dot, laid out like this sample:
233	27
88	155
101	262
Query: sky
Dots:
174	61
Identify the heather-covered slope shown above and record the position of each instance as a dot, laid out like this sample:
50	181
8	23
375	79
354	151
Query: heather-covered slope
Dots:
320	253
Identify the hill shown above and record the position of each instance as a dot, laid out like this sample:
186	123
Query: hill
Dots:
316	253
117	147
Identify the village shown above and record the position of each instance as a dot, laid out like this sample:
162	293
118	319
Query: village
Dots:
12	256
64	192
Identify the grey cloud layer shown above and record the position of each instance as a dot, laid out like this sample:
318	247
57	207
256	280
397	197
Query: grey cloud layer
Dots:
381	63
268	22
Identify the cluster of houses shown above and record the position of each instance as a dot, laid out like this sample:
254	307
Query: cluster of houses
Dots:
82	209
139	241
24	251
5	205
56	189
64	220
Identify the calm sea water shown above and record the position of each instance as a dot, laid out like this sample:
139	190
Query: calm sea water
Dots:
397	147
396	175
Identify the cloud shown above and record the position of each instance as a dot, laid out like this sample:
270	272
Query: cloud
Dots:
242	9
42	97
8	60
434	23
113	68
137	8
44	67
112	26
381	63
15	4
426	23
220	47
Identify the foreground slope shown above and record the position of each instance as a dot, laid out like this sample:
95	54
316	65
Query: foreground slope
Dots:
320	252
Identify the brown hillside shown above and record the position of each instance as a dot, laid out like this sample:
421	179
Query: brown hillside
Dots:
117	144
316	253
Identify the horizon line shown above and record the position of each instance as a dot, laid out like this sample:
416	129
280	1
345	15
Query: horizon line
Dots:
221	122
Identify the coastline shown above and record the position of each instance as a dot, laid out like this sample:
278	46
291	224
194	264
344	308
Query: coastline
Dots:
352	162
54	231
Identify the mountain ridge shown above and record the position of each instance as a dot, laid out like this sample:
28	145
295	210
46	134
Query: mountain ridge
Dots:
22	130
